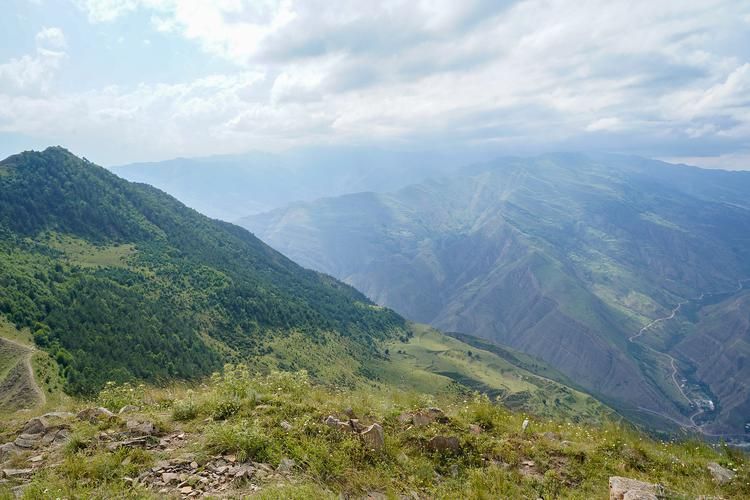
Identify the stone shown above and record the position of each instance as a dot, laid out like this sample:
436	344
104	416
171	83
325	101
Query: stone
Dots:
17	473
186	489
128	409
141	427
28	441
721	475
623	488
332	421
286	425
444	444
286	465
95	414
525	425
170	477
36	459
475	429
7	450
374	437
37	425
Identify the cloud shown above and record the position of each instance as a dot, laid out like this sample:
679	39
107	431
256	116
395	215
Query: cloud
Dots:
629	75
34	73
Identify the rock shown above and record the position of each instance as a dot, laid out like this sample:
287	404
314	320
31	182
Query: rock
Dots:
374	437
94	415
552	436
140	442
170	477
141	427
186	489
721	475
17	473
194	465
36	459
28	441
524	425
332	421
286	425
444	444
7	450
623	488
128	409
475	429
37	425
286	465
350	413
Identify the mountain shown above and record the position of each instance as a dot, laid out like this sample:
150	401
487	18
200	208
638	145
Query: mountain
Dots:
570	258
232	186
104	281
119	280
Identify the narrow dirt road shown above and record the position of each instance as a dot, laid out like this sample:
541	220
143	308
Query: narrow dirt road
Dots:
26	374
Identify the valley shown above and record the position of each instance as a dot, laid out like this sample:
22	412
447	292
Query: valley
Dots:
519	251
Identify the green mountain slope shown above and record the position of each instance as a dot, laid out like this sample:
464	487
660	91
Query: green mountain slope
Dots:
565	257
118	280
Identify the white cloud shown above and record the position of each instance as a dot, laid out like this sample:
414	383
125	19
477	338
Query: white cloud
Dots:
544	72
34	73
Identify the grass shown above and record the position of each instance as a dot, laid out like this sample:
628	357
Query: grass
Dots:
85	254
431	361
570	460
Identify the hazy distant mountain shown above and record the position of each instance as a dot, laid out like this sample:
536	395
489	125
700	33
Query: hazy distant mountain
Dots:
230	187
565	257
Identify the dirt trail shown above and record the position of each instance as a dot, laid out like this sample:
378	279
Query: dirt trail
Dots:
21	377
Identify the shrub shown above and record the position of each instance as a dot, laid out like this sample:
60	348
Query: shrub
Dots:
114	397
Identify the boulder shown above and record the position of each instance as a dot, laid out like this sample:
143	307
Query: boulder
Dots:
37	425
7	450
28	441
623	488
374	437
141	427
444	444
95	415
721	475
286	465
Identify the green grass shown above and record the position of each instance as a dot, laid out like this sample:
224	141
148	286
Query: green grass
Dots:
571	460
80	252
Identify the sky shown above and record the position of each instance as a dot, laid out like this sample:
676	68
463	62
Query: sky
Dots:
120	81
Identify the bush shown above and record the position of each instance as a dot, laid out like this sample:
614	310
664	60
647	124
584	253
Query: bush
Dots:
184	410
114	397
242	438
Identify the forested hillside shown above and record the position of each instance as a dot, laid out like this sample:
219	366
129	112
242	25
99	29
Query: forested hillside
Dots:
119	280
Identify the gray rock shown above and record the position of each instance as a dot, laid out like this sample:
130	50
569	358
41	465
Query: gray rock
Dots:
128	409
141	427
286	465
444	444
94	415
17	473
374	437
7	450
28	441
623	488
170	477
286	425
721	475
